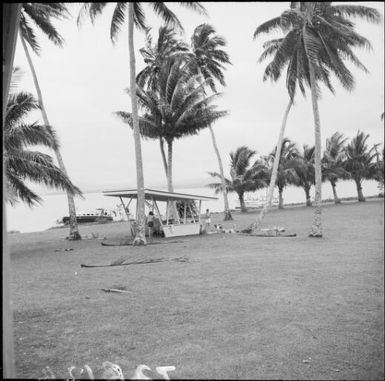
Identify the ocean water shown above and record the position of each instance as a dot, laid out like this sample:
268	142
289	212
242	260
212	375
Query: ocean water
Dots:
54	207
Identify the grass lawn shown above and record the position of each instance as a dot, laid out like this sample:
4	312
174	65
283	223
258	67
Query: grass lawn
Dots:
241	307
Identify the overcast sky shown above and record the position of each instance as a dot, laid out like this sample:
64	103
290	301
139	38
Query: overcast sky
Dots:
83	84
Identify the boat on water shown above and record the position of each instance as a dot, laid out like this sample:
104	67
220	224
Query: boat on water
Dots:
257	202
100	215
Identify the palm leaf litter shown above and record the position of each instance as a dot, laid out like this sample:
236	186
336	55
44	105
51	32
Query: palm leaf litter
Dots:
130	243
125	261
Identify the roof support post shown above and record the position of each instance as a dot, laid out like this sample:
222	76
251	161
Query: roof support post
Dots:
184	212
127	214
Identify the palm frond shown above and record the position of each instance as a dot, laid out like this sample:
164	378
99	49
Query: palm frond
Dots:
268	26
118	19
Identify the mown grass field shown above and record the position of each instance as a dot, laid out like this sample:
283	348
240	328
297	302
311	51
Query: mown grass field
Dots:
240	307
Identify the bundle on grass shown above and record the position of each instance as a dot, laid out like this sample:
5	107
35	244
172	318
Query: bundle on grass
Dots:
276	231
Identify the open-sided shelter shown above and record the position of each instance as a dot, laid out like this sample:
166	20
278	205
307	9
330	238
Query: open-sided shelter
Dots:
187	220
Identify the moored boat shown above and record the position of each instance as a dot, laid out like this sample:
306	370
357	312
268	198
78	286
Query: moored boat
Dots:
100	215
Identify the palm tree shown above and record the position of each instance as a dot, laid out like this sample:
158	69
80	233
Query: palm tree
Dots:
285	171
41	15
208	58
244	176
155	55
135	15
360	162
320	36
178	108
22	164
333	162
304	171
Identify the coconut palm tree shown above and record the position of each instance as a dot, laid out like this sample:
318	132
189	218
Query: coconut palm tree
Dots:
154	55
360	161
41	15
304	171
333	162
208	58
22	164
135	15
319	37
286	167
178	108
167	45
244	176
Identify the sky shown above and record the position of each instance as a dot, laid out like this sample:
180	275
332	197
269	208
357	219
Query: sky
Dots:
83	84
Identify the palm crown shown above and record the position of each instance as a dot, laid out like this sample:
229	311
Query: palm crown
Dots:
360	161
245	177
333	158
178	107
154	55
318	34
23	164
40	15
120	13
207	56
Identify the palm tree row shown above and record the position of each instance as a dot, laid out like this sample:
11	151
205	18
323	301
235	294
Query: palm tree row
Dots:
175	91
351	161
318	38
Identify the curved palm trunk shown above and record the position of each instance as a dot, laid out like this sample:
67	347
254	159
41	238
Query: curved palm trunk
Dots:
274	172
280	198
360	195
316	228
140	237
227	212
307	195
336	198
161	142
74	230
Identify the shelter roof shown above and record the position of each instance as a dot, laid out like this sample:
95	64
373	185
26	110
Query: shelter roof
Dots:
157	195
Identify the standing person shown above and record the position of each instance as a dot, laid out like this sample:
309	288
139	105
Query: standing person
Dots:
150	224
207	220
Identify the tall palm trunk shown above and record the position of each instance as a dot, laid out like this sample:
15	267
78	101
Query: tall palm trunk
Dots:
336	198
140	237
170	185
274	172
242	202
280	197
227	213
316	228
74	230
172	210
307	195
11	14
360	195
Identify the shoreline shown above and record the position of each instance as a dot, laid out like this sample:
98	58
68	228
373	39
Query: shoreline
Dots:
237	211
